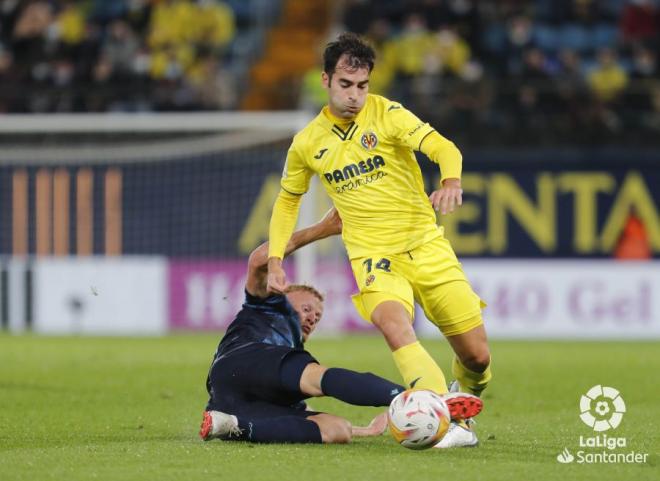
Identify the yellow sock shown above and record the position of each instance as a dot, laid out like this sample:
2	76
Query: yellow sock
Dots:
470	381
418	368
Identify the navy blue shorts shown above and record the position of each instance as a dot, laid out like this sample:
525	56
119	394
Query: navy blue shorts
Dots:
259	381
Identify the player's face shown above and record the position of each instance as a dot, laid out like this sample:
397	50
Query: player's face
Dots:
347	89
309	309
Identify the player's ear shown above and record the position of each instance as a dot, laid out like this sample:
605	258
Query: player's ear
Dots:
325	80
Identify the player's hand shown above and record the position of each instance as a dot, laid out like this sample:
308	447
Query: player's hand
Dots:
448	197
376	427
276	282
331	222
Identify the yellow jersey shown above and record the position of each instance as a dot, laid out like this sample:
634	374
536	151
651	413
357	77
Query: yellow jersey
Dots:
368	168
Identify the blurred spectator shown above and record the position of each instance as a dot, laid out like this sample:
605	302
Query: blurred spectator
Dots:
121	47
213	87
608	80
520	36
28	39
644	81
138	14
651	118
171	62
380	37
312	95
358	15
533	97
469	98
607	83
639	21
434	12
450	51
571	88
70	24
215	25
463	16
8	80
414	46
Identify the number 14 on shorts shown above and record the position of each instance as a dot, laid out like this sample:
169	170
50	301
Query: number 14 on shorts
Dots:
383	264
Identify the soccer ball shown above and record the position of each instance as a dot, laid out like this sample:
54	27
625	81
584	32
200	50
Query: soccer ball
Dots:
418	419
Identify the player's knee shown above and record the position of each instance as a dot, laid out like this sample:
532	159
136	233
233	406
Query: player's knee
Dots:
310	380
334	430
341	432
477	361
393	320
390	313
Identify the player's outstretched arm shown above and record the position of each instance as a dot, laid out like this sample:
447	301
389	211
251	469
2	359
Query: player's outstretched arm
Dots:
258	263
443	152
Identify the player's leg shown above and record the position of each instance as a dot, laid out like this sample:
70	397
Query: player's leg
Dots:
334	429
386	299
292	428
367	389
297	427
415	364
357	388
469	342
458	316
253	386
471	365
449	302
283	376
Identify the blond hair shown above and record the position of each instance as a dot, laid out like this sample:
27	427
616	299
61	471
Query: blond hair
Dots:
305	288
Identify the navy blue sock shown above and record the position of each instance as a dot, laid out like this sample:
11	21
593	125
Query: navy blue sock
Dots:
282	429
359	388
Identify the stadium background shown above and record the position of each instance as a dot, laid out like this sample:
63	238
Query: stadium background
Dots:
131	148
141	144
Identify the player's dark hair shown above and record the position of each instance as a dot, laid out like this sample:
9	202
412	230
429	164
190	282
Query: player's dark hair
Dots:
360	54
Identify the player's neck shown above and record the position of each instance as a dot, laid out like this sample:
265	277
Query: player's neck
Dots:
335	119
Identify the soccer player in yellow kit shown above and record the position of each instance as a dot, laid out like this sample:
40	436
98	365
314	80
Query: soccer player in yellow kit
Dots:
362	148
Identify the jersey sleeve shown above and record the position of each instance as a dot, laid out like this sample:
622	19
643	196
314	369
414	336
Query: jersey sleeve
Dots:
296	175
404	126
443	152
282	223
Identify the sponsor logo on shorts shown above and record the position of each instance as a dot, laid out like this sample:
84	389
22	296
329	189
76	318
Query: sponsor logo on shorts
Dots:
370	280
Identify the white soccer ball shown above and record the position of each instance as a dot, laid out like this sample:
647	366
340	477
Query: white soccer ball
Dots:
418	419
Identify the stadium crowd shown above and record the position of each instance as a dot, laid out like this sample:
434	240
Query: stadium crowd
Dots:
98	55
484	72
540	71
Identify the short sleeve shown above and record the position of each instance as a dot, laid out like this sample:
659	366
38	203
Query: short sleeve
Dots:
296	175
406	127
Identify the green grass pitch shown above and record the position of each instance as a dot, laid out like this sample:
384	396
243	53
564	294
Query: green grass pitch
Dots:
129	409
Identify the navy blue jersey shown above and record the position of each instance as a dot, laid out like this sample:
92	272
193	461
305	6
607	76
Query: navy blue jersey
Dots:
271	320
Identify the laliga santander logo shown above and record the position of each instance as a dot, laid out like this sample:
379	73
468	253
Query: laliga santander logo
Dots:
602	408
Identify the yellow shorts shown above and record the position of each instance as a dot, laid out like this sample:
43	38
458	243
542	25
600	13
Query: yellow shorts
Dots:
430	275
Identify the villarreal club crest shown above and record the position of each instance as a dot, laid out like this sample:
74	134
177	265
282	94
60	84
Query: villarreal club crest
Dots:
369	140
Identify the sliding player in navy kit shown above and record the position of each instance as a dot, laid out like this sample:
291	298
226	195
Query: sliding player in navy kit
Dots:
261	374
